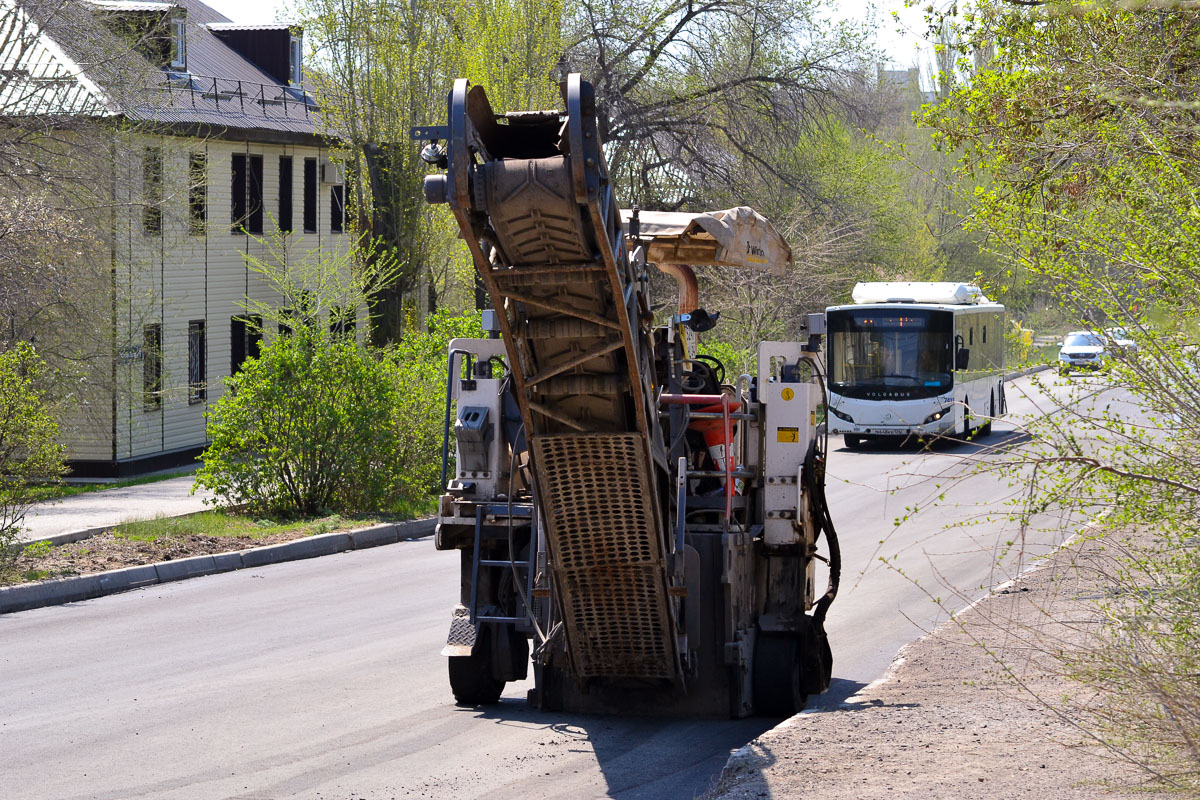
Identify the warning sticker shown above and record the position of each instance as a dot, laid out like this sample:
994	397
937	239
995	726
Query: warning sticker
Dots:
788	435
787	394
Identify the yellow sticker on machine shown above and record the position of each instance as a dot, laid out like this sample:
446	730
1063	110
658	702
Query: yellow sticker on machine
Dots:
788	435
787	394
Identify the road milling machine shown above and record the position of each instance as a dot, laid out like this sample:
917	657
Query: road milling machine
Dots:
647	523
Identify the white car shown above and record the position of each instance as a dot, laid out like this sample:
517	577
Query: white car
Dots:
1082	350
1120	338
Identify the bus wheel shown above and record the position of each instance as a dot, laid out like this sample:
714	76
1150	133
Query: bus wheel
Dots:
966	431
852	442
986	428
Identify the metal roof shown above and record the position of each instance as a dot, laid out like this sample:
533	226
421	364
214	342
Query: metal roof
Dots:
222	88
130	5
237	26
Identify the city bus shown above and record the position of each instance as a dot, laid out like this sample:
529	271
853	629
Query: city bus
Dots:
914	359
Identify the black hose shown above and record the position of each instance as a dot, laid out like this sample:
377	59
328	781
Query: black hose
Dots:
814	476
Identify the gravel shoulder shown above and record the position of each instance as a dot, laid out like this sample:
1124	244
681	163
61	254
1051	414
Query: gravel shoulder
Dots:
948	721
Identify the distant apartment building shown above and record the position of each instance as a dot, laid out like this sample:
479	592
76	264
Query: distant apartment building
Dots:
906	83
225	154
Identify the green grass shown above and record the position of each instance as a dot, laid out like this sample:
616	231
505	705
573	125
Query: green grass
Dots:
1043	355
413	509
225	524
43	574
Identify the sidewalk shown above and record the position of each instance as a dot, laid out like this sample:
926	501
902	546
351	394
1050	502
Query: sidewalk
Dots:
109	507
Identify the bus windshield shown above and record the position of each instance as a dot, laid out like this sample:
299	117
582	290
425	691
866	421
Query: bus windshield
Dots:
890	353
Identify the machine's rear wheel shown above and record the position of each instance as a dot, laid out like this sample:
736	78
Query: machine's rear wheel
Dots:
471	677
777	677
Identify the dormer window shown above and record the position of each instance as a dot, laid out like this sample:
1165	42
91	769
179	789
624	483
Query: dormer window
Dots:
295	73
178	31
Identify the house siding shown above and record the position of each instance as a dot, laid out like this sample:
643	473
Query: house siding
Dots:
172	276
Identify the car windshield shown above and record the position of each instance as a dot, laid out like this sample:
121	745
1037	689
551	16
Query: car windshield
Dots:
1083	340
892	353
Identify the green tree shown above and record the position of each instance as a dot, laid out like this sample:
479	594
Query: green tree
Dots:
387	67
1079	144
29	452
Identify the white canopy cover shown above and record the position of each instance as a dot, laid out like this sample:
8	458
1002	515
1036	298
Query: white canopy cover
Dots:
735	237
936	292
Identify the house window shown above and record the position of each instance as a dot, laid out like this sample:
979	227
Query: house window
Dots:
152	367
342	321
237	196
254	336
197	384
245	341
310	195
237	344
295	73
152	170
254	210
179	43
285	194
197	193
246	194
337	208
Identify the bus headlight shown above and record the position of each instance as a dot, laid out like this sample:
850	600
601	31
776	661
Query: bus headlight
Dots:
841	415
935	416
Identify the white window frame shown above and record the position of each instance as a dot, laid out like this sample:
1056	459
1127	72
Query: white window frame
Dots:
179	42
295	60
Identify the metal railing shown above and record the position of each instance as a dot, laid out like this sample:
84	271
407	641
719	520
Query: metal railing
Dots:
186	89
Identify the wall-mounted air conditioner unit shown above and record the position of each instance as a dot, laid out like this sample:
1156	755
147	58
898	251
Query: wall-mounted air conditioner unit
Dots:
331	171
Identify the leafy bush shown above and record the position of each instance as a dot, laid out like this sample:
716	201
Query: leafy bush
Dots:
319	422
303	428
419	366
29	452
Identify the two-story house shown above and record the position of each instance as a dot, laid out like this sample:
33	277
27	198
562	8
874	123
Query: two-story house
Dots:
225	154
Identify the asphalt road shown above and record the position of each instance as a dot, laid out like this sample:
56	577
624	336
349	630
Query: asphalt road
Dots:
322	679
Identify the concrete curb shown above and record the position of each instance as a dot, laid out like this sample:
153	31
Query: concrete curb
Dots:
1028	371
85	587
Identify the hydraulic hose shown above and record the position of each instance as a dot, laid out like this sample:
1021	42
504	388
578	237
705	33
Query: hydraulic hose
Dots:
814	477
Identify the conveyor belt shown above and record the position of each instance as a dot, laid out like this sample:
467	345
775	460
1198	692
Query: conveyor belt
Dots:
533	200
